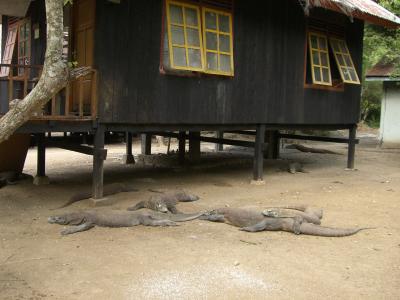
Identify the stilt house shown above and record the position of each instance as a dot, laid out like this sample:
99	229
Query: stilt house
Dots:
174	67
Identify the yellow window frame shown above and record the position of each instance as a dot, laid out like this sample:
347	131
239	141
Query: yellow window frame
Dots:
320	52
344	66
185	27
218	33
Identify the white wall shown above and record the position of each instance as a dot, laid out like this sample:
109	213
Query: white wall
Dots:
390	115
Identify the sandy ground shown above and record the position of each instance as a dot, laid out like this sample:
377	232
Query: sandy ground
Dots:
204	260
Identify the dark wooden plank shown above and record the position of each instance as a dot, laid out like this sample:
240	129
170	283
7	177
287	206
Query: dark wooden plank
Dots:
258	165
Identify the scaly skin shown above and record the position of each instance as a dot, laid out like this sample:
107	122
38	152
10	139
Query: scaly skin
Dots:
86	220
165	202
254	221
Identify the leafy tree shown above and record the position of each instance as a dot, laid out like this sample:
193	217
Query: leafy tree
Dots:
380	45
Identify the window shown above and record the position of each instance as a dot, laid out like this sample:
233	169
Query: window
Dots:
330	63
184	32
198	39
344	61
8	50
218	42
19	32
24	44
319	54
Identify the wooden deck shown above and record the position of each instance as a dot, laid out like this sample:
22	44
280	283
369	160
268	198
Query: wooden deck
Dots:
77	101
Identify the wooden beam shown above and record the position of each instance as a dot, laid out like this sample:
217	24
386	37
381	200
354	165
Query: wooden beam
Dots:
76	148
41	155
128	156
219	146
98	163
182	146
194	146
258	165
146	144
351	146
316	138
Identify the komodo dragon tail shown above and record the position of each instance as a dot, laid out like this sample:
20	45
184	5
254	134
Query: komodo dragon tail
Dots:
311	229
111	189
184	217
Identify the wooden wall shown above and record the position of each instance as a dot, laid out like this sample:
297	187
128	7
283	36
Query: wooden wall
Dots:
269	47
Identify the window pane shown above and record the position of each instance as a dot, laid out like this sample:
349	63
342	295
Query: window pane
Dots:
212	63
314	43
325	75
347	60
177	35
346	74
324	59
192	36
194	58
211	41
335	46
315	55
322	43
317	74
340	59
211	20
342	47
353	75
179	57
176	14
223	23
191	17
224	63
224	43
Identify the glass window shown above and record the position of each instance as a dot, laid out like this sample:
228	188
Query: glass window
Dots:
321	70
344	61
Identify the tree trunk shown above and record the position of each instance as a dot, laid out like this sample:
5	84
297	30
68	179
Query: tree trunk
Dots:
54	75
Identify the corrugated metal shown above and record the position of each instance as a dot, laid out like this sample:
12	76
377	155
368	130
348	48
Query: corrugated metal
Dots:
367	10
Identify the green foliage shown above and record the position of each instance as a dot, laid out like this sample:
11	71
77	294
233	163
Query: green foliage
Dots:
68	2
380	45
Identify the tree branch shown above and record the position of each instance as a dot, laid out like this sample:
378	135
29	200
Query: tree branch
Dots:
53	78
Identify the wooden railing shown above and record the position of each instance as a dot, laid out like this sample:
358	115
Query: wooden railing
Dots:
76	101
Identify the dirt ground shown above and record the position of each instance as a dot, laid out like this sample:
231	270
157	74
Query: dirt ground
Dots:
204	260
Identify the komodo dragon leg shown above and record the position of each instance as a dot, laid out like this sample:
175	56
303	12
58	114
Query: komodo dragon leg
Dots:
137	206
78	228
271	224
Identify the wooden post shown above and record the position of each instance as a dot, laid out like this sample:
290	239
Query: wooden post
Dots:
98	163
182	146
80	84
146	144
273	144
219	147
194	146
128	156
67	96
41	178
11	84
351	146
258	166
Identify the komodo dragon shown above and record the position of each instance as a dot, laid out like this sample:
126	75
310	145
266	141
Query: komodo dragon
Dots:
308	213
111	189
253	221
165	202
88	219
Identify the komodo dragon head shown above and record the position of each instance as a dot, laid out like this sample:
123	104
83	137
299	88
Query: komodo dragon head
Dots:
67	219
160	206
